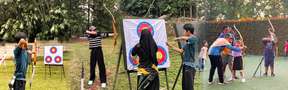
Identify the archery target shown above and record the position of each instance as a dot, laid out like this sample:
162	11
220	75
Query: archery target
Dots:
161	56
53	55
144	25
132	32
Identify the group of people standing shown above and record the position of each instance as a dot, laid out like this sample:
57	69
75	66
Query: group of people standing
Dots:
224	51
227	51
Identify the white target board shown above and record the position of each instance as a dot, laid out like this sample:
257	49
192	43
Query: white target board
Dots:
53	55
132	32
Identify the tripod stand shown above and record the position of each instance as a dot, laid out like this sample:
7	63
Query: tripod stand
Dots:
261	61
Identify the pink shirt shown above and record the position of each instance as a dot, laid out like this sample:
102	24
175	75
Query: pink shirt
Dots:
236	54
286	47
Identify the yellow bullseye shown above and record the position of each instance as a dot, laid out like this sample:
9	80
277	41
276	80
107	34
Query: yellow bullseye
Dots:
159	55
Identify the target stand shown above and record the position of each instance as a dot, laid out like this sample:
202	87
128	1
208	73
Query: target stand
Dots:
53	57
50	73
132	71
131	33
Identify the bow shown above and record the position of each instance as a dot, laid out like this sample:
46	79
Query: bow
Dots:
115	36
241	37
272	27
34	59
238	32
273	35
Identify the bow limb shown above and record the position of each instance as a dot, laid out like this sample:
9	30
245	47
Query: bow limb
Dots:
240	35
271	25
273	35
115	36
34	59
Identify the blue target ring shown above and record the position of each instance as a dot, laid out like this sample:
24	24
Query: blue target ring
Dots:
133	62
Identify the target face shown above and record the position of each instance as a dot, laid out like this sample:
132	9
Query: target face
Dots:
132	32
144	25
53	55
161	56
58	59
48	59
53	50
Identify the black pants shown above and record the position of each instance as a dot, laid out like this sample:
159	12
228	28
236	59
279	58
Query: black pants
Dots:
188	78
97	56
216	62
19	85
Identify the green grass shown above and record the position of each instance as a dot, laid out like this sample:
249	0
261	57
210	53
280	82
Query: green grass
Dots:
111	56
53	82
258	83
39	82
79	52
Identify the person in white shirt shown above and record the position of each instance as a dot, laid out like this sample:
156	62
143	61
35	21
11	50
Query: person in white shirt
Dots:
203	55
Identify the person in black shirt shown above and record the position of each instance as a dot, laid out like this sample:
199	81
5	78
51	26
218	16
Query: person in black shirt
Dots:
146	49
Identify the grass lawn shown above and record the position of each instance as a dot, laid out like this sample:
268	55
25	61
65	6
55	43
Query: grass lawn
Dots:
39	82
79	52
259	83
83	53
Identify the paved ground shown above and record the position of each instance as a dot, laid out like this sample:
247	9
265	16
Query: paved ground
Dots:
259	83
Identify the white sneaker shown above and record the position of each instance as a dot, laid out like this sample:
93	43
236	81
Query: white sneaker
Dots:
103	85
90	82
243	80
231	79
209	83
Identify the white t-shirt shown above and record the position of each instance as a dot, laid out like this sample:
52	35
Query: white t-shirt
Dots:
203	53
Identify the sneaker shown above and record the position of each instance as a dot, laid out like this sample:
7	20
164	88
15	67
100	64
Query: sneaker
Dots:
103	85
210	83
90	82
243	80
231	79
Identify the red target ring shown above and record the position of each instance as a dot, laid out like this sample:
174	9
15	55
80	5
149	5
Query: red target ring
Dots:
161	55
53	50
58	59
144	25
48	59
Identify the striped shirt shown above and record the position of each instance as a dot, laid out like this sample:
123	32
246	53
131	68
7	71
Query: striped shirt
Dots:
95	40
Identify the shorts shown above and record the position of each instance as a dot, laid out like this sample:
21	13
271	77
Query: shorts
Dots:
227	59
238	63
269	60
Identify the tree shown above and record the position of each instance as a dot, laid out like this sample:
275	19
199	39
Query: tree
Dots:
42	19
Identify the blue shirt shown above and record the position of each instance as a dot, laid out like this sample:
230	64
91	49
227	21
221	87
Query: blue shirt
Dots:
21	59
189	51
